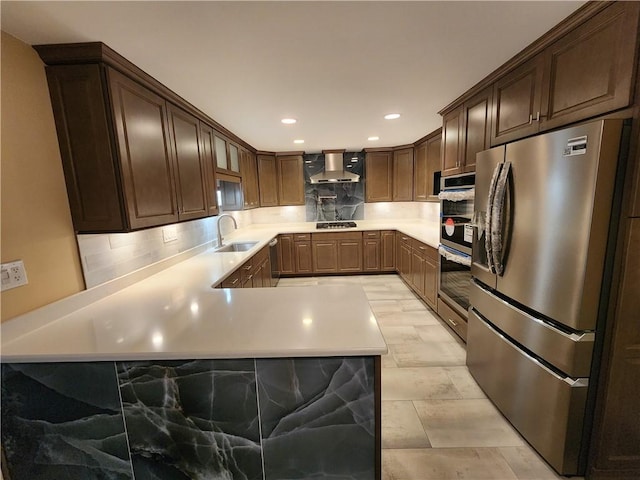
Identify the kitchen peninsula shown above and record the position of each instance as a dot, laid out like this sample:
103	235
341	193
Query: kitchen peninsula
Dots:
170	376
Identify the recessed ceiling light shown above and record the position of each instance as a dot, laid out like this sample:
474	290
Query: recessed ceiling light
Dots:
288	121
391	116
373	138
298	141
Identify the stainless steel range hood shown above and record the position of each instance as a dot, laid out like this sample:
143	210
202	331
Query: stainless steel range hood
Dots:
334	171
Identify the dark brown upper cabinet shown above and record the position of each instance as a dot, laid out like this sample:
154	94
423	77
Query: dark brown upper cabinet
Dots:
427	162
190	174
517	101
146	166
135	154
268	180
290	179
207	135
452	123
227	156
589	71
89	161
403	175
249	170
379	174
477	128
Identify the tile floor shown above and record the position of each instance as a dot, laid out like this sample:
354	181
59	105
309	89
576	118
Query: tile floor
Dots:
436	421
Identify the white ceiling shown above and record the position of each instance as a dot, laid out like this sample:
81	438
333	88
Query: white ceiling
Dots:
337	67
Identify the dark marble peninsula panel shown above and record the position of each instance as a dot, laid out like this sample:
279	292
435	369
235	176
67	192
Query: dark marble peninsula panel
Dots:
175	420
63	421
318	418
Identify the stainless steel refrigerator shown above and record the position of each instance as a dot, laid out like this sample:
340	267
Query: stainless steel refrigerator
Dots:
544	210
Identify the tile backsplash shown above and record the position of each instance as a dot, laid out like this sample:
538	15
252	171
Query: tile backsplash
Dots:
109	256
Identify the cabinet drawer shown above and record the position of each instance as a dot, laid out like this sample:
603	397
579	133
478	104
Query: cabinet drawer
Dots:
370	235
457	323
232	281
404	239
301	237
337	236
423	249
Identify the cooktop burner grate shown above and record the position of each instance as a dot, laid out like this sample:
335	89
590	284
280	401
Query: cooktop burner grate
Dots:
336	225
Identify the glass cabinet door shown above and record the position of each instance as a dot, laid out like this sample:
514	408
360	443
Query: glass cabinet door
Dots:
221	152
234	163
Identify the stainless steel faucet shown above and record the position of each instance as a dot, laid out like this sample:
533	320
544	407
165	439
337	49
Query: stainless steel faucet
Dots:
235	225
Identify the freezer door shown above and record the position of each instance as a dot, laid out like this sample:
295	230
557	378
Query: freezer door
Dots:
546	408
486	164
557	212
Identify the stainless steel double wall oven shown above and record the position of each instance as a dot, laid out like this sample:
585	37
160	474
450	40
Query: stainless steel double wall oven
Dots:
456	234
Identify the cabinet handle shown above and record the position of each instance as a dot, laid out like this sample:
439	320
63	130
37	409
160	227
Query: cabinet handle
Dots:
538	117
452	322
422	248
530	119
404	239
235	281
247	267
250	277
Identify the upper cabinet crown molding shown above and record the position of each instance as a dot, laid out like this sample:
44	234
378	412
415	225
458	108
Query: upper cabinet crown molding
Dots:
98	52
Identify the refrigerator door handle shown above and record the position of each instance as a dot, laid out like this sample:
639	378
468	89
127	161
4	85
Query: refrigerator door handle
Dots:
488	219
498	234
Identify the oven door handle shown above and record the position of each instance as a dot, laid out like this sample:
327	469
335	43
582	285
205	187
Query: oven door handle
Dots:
453	256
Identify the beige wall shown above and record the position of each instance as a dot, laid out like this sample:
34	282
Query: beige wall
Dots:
35	221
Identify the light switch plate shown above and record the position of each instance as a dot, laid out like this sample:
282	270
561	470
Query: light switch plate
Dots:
169	233
13	275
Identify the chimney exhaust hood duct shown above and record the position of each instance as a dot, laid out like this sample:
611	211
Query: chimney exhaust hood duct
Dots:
334	171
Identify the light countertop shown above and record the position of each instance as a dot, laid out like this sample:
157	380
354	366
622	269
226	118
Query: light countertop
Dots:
176	314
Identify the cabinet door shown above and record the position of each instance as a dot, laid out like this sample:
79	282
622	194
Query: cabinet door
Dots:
290	180
379	174
267	180
302	256
234	158
434	149
404	260
431	282
371	255
388	250
140	118
616	441
325	256
421	190
77	96
190	177
516	102
589	71
403	175
220	152
477	128
350	255
417	272
286	254
452	124
249	179
206	141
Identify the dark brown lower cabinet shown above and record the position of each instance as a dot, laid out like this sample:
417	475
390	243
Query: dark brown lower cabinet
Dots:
325	255
371	251
350	253
302	253
388	251
286	262
403	259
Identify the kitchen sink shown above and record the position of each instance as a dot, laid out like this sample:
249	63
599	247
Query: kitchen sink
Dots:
237	247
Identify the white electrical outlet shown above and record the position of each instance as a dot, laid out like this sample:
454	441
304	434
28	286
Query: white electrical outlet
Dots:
169	233
13	275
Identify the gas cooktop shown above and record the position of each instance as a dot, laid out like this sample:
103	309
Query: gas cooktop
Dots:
336	224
